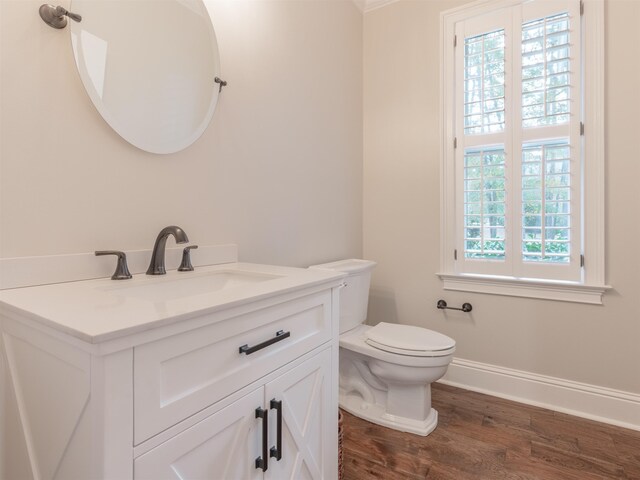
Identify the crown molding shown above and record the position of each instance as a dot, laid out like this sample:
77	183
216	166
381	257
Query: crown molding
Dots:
366	6
361	4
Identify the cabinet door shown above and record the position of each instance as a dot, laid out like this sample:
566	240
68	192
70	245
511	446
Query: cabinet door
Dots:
223	446
309	422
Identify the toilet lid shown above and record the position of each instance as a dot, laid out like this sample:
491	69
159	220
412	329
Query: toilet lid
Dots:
408	340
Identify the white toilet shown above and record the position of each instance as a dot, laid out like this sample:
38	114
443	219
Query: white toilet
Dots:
386	371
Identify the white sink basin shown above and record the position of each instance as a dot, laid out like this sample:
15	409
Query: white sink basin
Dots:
187	284
101	309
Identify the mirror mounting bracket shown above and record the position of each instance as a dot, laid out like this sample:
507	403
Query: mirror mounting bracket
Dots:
55	16
221	82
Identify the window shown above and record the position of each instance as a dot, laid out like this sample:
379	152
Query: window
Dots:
522	148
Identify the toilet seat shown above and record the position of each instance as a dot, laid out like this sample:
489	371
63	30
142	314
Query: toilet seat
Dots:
356	341
409	340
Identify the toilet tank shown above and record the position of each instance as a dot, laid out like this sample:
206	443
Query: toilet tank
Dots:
354	297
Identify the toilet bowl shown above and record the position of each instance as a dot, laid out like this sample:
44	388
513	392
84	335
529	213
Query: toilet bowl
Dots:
386	370
390	388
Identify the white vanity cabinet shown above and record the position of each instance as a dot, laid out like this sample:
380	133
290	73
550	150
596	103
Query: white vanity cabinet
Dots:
245	388
227	444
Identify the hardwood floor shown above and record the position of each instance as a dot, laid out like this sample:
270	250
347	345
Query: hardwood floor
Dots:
484	437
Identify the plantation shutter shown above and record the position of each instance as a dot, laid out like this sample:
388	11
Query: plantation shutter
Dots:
518	145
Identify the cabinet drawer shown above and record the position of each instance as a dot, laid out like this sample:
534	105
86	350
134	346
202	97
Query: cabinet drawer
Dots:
178	376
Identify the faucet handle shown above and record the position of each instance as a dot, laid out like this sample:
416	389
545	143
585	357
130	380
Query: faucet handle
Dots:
185	265
122	271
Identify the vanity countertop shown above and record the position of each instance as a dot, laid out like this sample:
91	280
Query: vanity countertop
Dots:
103	309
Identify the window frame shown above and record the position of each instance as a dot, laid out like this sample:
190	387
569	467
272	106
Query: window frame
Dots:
591	286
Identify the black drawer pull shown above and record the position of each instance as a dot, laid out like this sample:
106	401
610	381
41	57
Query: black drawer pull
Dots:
281	335
263	461
277	450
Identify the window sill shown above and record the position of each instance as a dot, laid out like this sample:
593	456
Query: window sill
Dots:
517	287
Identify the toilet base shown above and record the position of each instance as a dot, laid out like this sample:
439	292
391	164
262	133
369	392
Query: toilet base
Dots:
376	414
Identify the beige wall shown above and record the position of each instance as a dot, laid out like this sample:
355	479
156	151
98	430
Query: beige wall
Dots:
279	170
593	344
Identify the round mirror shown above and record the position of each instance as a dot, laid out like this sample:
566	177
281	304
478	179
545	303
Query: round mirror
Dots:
149	68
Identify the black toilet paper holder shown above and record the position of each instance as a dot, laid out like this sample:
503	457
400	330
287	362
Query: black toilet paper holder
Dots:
466	307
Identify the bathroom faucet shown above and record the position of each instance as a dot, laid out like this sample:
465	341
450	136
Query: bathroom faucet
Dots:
156	267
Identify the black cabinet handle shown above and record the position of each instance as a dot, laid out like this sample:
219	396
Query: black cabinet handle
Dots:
281	335
263	461
277	450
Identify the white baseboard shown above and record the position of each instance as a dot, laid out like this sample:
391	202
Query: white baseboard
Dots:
606	405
